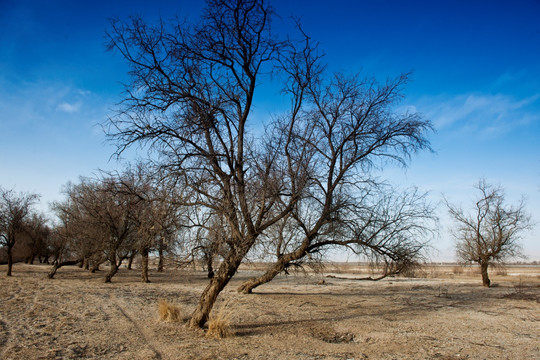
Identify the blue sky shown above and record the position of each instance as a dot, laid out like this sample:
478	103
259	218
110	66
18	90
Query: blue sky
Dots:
476	75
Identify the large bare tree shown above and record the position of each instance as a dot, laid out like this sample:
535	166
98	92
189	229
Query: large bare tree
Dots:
14	211
491	232
190	101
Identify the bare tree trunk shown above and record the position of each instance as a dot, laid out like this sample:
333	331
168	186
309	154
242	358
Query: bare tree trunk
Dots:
484	270
144	265
271	272
130	262
113	270
226	271
209	264
10	260
274	269
58	265
160	250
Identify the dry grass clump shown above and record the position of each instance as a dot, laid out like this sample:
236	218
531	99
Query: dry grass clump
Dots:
219	326
169	312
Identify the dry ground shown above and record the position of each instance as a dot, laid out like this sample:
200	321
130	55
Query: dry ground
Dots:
445	315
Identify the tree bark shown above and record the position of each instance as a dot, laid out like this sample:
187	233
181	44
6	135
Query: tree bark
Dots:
95	267
225	272
58	265
113	270
144	265
274	269
209	265
130	262
160	261
484	270
10	260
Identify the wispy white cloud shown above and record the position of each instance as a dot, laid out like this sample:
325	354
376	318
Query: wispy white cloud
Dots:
69	108
487	114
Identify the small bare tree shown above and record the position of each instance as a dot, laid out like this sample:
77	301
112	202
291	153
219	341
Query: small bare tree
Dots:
71	240
491	232
38	232
14	210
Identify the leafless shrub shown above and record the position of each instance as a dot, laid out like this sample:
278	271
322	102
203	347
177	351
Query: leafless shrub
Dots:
169	312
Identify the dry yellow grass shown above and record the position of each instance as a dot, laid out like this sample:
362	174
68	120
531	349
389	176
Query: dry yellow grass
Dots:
219	325
169	312
292	317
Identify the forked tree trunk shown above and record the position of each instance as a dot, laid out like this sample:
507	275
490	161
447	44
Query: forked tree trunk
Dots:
113	270
144	265
225	272
484	270
10	260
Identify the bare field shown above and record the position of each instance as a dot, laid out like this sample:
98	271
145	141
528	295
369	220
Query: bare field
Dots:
445	314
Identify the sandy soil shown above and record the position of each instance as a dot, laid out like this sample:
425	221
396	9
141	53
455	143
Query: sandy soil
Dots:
449	316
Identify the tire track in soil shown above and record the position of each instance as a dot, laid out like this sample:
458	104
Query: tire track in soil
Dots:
140	329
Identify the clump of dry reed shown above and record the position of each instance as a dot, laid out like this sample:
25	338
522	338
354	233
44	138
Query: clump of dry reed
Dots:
169	312
219	325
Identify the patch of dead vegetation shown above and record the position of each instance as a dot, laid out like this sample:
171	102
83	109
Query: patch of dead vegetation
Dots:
219	324
331	336
169	312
